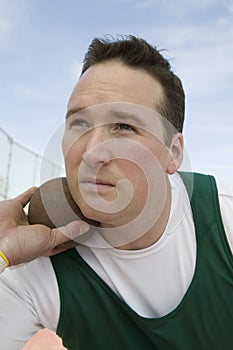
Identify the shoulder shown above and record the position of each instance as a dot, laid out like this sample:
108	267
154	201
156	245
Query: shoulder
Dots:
225	190
225	195
28	273
34	285
20	275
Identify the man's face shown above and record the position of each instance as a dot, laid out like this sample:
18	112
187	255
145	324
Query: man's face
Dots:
113	144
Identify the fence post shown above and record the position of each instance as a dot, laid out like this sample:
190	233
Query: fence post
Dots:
8	166
10	142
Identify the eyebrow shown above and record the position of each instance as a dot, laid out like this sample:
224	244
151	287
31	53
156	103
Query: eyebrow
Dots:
72	111
121	115
128	116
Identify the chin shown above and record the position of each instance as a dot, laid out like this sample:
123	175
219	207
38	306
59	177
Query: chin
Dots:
106	219
95	215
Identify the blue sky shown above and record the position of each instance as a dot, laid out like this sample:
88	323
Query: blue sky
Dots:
42	44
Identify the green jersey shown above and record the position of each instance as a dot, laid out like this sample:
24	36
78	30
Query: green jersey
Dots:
93	317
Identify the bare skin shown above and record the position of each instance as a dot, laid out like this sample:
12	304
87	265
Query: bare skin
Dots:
101	85
110	82
22	242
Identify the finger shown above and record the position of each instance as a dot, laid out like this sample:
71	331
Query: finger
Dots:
69	232
63	247
25	197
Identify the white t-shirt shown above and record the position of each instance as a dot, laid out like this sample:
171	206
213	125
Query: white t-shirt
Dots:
29	295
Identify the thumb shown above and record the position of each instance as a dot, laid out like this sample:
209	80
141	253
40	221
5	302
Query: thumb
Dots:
68	236
75	229
25	197
72	231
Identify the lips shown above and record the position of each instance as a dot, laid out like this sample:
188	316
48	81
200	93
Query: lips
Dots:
96	181
96	185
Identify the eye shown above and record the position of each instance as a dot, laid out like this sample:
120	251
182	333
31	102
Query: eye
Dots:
124	128
78	123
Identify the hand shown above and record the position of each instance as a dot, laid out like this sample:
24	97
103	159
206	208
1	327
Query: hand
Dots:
21	242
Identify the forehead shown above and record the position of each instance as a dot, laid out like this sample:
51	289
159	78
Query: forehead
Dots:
114	82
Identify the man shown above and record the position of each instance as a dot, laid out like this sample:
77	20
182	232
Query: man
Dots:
156	273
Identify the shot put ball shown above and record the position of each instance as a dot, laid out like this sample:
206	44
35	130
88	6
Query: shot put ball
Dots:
52	205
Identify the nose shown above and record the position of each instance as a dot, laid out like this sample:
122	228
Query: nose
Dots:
97	150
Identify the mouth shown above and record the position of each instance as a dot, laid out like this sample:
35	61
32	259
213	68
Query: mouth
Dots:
95	185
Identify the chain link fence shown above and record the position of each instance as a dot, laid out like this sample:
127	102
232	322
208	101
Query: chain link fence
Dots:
20	167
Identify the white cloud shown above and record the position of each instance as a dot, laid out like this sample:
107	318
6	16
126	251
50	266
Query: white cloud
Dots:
29	92
6	23
200	54
229	5
178	7
11	15
207	70
144	4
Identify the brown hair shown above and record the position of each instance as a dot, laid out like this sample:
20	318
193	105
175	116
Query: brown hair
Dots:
137	53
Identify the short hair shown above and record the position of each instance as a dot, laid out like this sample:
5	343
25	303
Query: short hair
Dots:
137	53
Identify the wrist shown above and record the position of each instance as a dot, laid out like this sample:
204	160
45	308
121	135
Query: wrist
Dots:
4	262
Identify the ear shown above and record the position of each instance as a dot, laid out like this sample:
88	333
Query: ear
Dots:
175	153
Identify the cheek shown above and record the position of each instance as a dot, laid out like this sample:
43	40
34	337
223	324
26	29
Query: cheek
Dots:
160	154
131	170
147	158
72	152
147	169
136	175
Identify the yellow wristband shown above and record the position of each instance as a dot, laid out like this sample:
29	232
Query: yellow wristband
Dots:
5	258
